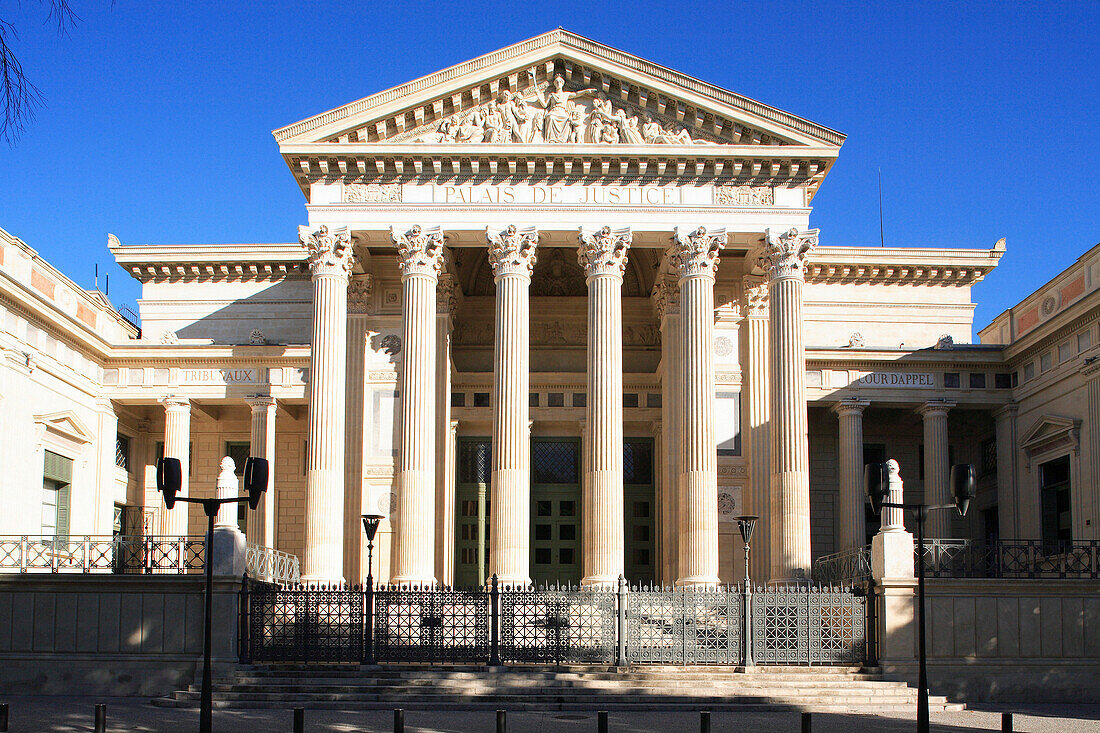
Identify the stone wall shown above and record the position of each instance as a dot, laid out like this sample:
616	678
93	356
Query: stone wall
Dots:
110	635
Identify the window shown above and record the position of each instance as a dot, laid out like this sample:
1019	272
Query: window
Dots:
239	452
474	461
1084	341
630	399
727	422
579	399
555	462
555	399
1054	485
989	456
57	476
1002	380
458	399
653	400
977	380
951	380
1045	362
190	453
122	451
533	399
1065	352
638	462
1029	371
481	399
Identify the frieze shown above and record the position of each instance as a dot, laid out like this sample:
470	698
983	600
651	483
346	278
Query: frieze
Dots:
744	196
372	193
736	471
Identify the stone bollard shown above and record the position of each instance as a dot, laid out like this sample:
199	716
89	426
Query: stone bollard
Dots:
502	722
807	723
3	717
1006	722
704	721
398	721
100	718
299	720
601	721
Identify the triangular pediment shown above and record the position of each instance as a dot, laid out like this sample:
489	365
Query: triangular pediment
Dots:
66	425
1049	433
607	97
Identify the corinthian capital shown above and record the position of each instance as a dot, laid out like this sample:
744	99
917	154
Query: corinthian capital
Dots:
447	293
604	252
696	252
784	254
666	295
330	251
512	251
419	251
754	289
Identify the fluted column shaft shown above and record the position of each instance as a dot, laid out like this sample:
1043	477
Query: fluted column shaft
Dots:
420	256
512	255
936	467
331	260
446	300
784	259
177	439
261	521
851	515
603	257
694	255
667	299
759	495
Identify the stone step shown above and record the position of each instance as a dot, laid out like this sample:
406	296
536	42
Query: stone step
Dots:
289	685
519	672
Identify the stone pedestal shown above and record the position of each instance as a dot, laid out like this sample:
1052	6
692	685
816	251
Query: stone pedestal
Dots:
758	497
784	256
177	441
851	501
330	261
695	258
512	255
893	570
420	257
603	256
936	467
261	520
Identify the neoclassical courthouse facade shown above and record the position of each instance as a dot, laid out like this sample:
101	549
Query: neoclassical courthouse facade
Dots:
557	314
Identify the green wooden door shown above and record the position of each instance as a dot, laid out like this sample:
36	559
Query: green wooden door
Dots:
638	510
556	510
472	511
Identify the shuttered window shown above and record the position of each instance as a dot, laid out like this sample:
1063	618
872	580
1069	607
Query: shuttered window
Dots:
57	476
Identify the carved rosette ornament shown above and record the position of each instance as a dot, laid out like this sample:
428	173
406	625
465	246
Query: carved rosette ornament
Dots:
754	290
419	251
784	254
666	295
330	250
696	253
512	251
604	252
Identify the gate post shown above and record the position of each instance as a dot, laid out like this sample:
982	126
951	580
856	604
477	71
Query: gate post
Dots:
244	639
494	623
368	621
871	632
746	635
621	656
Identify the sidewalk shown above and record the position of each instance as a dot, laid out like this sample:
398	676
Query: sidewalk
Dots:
40	714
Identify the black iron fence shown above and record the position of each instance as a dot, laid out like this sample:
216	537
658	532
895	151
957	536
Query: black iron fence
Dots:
796	625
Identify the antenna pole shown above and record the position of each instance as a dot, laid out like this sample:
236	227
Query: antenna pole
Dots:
881	231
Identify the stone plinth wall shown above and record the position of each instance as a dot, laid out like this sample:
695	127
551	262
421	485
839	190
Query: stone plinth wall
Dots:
109	635
999	640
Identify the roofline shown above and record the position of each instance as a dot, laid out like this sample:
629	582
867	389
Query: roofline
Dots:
565	38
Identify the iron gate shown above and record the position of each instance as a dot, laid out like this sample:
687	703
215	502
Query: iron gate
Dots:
666	626
431	626
805	625
556	625
309	624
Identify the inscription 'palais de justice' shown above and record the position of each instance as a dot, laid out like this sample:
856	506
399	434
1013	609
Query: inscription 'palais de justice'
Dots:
596	195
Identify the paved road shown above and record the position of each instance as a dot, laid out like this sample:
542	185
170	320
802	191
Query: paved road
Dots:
39	714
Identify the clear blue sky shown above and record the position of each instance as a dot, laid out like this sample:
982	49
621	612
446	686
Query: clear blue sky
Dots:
984	117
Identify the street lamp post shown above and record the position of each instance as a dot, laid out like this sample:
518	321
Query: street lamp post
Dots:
370	528
746	523
962	489
169	480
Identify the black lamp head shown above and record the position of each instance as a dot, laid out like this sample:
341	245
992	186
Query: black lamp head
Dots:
255	479
169	479
370	525
963	486
746	523
876	484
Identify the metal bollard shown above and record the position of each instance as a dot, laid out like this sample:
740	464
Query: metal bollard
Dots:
704	721
807	723
100	718
1006	722
398	720
502	722
601	721
299	720
3	717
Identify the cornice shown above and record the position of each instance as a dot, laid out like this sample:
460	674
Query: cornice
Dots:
1037	340
149	262
901	265
980	357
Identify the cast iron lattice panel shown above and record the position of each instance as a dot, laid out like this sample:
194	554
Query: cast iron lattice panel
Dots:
684	627
558	625
305	625
448	626
637	462
803	625
554	461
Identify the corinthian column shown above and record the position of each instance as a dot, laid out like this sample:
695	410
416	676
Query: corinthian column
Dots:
694	256
755	290
420	257
446	300
330	262
852	527
936	467
603	254
666	300
512	256
784	256
177	441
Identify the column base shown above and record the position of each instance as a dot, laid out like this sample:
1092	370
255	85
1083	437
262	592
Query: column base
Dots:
321	580
698	581
600	581
800	580
516	581
413	582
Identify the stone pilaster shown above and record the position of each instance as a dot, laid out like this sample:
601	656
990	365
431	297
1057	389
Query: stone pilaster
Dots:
603	255
851	515
177	440
666	301
261	520
1008	496
512	255
758	497
936	467
330	261
447	295
783	259
694	255
420	257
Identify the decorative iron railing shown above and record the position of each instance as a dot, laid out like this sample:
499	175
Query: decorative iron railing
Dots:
847	567
102	554
552	625
955	558
271	565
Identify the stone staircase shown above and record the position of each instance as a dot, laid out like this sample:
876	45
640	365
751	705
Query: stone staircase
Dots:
824	689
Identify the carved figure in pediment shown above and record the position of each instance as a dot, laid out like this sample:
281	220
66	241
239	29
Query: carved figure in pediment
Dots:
628	129
556	127
469	129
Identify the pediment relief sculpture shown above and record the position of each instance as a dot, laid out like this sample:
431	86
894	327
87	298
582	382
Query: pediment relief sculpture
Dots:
551	114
